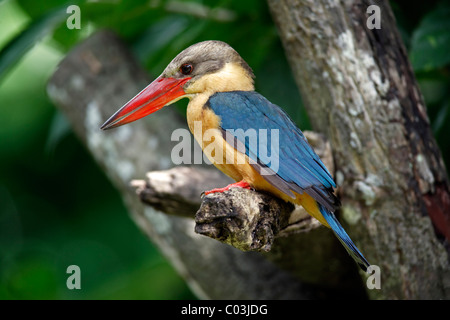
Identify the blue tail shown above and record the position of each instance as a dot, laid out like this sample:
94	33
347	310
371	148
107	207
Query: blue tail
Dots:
344	238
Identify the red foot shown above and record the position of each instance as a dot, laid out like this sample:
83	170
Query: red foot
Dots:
240	184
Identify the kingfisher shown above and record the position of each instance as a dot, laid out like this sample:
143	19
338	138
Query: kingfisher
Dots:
223	102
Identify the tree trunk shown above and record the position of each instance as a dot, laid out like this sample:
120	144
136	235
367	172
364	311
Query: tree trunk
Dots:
360	91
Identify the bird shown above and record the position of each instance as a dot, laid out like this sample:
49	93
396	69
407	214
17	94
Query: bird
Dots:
220	86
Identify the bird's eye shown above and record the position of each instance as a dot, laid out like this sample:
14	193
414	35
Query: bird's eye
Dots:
186	68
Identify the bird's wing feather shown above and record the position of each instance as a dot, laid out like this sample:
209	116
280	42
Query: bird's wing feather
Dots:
298	168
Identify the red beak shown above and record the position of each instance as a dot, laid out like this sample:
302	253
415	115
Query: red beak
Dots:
156	95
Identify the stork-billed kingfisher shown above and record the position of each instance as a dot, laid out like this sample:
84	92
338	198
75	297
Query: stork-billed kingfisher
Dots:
219	85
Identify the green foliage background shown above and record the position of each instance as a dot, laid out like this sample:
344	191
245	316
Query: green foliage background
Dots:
56	206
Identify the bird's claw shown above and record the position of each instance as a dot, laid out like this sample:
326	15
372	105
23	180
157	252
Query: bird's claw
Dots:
240	184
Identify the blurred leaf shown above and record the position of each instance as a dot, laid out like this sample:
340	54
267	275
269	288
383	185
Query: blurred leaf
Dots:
59	129
442	118
37	9
23	42
12	21
126	18
158	36
34	278
11	234
25	109
434	88
430	43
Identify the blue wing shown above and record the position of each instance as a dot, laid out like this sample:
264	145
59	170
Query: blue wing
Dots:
288	158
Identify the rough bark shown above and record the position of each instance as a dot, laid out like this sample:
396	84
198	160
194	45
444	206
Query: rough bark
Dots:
360	91
94	80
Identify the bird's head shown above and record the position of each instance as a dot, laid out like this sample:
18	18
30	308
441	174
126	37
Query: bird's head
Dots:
203	68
